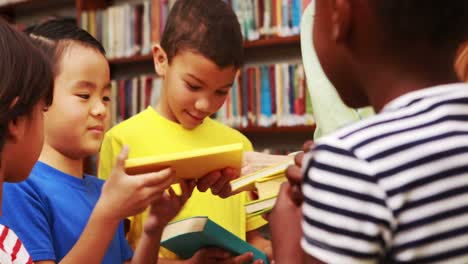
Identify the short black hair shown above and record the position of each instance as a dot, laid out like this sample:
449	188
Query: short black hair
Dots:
25	74
55	35
435	23
207	27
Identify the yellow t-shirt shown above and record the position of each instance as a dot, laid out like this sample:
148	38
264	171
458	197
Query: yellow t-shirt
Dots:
148	133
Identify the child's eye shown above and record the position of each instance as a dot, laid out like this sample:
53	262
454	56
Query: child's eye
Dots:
221	93
193	87
106	99
84	96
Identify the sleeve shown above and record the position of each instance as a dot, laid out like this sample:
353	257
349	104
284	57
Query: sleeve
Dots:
345	215
255	222
26	213
110	148
127	252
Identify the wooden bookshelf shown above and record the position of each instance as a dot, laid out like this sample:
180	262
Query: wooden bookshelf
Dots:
275	129
275	41
270	42
129	60
33	5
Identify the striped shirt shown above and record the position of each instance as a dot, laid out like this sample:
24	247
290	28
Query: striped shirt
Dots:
12	250
392	188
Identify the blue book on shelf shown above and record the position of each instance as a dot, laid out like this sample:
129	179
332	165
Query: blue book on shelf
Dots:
185	237
266	96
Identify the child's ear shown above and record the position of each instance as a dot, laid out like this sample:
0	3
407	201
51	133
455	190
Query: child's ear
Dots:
341	20
160	60
16	127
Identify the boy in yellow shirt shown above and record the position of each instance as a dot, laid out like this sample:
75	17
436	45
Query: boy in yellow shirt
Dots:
200	52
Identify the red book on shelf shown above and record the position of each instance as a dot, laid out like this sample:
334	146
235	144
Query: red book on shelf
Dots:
272	80
122	100
155	23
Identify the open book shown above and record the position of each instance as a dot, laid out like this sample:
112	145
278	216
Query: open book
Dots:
267	191
185	237
247	182
191	164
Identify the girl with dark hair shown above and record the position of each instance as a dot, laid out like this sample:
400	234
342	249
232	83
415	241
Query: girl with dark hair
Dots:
62	214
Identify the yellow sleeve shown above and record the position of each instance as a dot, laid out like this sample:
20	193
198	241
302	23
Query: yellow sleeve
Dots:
254	222
110	148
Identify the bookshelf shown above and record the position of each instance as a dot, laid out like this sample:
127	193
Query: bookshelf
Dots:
250	46
266	50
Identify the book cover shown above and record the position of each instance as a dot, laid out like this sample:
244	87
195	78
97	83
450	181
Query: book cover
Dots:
187	236
191	164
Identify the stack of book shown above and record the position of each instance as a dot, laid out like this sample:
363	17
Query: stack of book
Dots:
266	183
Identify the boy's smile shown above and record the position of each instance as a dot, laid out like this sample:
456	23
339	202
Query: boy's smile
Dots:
194	87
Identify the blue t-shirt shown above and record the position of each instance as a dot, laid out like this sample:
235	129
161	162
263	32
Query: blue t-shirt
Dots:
50	210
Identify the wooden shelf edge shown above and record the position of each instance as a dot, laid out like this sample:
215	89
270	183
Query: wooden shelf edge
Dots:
133	59
276	41
275	129
32	4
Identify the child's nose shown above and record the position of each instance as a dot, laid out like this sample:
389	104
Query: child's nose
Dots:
203	104
99	109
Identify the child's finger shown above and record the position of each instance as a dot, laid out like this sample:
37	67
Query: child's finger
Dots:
207	181
156	178
298	159
121	158
244	258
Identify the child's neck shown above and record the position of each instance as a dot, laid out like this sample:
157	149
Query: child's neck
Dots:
384	85
59	161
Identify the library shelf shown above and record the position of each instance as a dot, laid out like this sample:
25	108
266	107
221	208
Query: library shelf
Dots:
276	129
268	42
33	5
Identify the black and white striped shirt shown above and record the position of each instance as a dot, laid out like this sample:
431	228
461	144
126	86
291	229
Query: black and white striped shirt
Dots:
393	188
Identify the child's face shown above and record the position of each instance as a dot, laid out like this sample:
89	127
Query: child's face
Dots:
331	31
194	88
78	117
23	152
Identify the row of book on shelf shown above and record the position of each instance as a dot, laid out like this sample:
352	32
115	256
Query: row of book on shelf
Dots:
128	29
267	18
262	96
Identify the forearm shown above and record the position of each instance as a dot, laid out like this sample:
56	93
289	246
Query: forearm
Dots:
95	239
148	248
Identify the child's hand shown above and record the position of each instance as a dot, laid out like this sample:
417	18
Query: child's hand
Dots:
286	215
124	195
167	207
218	181
219	256
294	174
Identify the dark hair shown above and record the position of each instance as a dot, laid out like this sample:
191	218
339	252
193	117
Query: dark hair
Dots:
55	35
434	23
207	27
25	74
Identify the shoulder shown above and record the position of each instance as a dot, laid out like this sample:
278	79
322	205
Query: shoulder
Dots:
128	126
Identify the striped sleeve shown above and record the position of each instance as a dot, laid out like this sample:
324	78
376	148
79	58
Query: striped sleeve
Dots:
11	248
345	216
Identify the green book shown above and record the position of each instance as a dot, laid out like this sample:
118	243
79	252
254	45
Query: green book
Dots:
185	237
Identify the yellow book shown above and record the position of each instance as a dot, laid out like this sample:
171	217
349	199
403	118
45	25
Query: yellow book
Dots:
260	206
270	186
191	164
247	182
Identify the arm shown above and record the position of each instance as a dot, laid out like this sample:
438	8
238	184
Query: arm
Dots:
161	212
122	196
